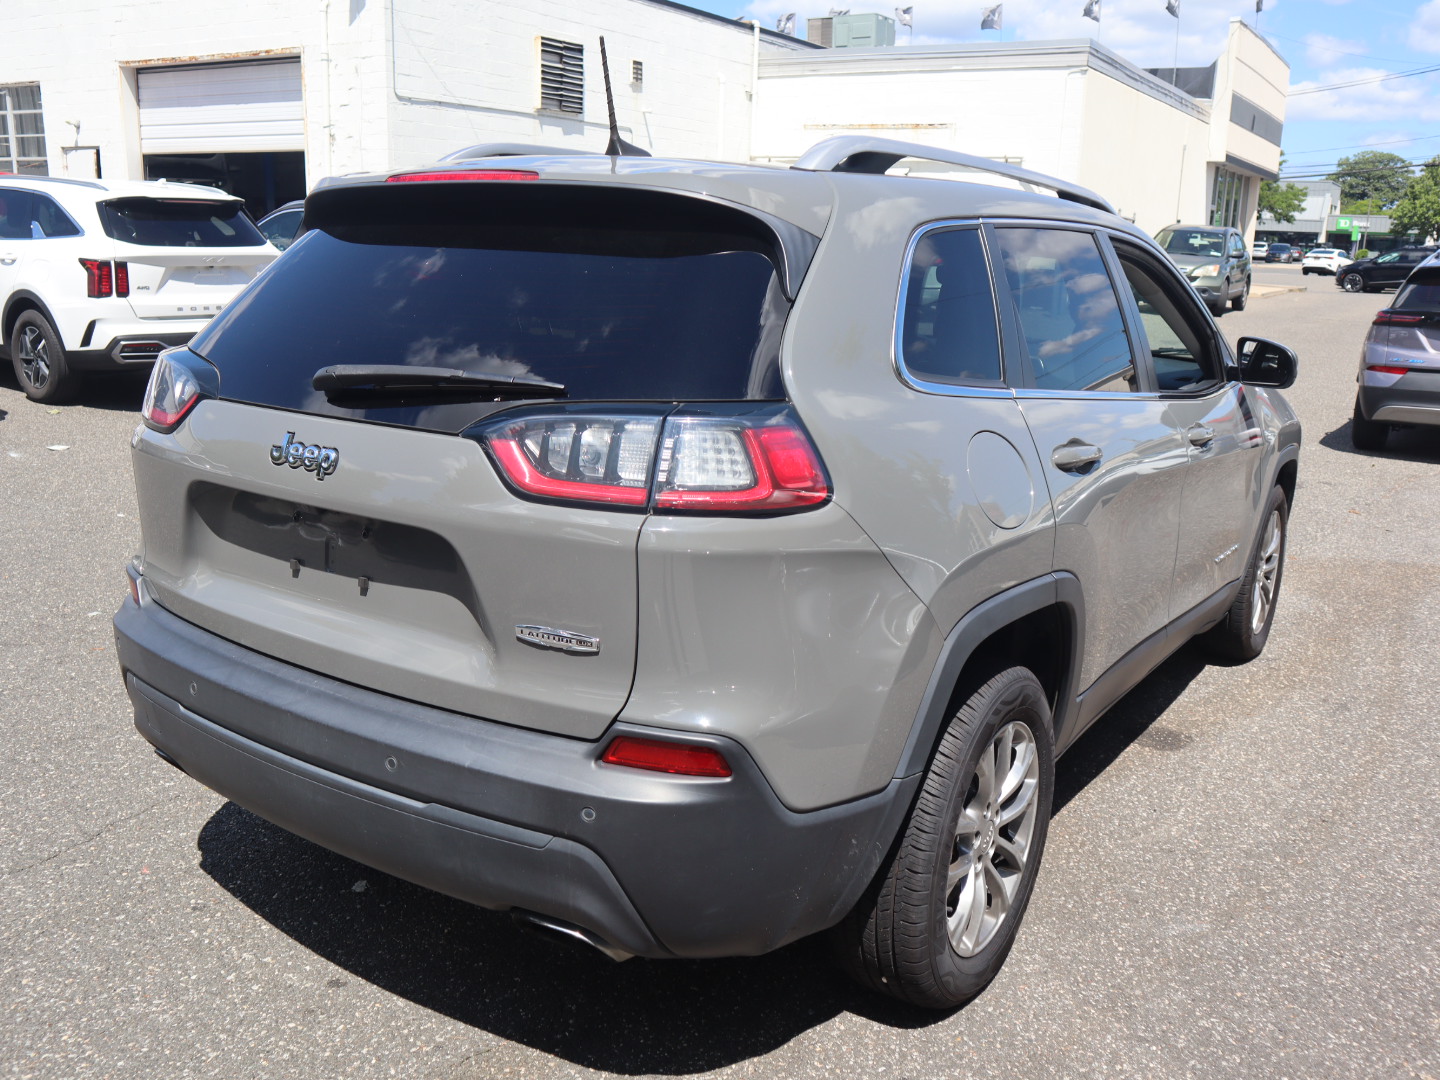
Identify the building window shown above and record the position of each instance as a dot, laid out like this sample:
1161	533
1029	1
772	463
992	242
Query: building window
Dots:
562	76
1227	202
22	130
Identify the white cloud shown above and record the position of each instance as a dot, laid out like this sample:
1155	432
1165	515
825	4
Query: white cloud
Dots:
1325	49
1425	28
1415	99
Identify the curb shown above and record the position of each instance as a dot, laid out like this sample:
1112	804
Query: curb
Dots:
1260	292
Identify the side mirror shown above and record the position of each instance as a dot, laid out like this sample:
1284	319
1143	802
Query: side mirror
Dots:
1267	363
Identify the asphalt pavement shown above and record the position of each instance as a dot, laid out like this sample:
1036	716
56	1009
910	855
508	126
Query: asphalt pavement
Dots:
1241	878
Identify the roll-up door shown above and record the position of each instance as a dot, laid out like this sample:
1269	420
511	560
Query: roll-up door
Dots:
221	108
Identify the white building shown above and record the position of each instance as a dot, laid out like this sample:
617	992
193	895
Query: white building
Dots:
1072	109
268	96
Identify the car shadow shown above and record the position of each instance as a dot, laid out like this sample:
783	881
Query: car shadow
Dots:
1419	444
113	391
639	1017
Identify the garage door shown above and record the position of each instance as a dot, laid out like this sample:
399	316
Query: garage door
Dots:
215	108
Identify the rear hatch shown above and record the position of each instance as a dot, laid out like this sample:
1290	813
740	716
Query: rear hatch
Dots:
1407	334
366	530
187	258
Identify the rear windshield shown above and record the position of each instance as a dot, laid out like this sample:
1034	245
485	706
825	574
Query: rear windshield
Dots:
179	223
619	312
1421	292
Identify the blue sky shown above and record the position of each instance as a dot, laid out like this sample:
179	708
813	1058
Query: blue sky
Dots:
1324	41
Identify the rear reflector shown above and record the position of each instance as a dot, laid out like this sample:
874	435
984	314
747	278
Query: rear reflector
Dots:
464	174
1389	369
656	755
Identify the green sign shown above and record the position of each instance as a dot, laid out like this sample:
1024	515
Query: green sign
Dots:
1344	223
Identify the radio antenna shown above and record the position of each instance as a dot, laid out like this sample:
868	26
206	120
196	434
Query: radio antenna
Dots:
618	147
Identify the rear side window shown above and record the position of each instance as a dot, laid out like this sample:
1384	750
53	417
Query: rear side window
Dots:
179	223
1421	292
29	215
947	329
1068	311
634	305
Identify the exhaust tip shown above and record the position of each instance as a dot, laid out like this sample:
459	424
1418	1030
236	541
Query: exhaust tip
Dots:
564	931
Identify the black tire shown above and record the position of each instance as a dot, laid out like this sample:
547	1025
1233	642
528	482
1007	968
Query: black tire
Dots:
39	360
898	941
1352	283
1242	633
1305	271
1367	434
1238	303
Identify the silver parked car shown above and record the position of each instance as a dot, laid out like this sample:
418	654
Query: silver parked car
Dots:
1214	259
691	557
1400	362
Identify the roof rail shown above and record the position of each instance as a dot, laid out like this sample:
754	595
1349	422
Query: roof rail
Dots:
52	179
484	150
862	154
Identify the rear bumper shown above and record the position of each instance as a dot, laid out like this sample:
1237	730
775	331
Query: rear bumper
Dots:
127	350
503	817
1413	398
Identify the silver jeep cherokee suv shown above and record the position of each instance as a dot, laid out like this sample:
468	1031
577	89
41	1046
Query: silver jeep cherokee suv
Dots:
690	557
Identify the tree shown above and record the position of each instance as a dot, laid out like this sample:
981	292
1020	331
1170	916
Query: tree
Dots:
1281	201
1419	208
1372	174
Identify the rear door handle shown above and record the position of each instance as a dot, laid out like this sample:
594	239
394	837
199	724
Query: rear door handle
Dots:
1075	456
1201	436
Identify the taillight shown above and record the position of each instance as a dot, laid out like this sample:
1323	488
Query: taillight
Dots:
754	460
99	278
1388	317
103	278
659	755
178	382
464	174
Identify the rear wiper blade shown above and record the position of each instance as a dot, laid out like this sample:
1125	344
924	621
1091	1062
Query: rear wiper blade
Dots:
409	377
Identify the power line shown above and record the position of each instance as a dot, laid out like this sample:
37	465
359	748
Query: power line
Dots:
1342	52
1365	146
1363	82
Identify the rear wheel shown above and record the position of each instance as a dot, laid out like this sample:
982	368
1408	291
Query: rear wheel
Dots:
39	359
1352	283
942	915
1242	634
1367	434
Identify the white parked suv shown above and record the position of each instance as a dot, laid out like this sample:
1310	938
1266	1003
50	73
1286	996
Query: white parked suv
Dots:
104	275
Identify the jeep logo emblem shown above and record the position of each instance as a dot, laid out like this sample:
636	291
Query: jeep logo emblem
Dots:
321	460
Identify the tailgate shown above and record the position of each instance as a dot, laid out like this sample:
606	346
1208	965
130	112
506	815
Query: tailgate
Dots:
406	570
190	282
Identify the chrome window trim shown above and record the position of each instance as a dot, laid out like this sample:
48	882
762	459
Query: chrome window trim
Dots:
980	387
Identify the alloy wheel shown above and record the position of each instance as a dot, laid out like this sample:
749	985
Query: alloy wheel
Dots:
34	353
992	839
1267	572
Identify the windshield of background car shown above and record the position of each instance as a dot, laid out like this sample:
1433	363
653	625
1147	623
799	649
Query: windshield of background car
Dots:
179	223
627	304
1192	241
1421	291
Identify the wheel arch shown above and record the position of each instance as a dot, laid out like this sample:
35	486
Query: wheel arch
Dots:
1038	624
21	301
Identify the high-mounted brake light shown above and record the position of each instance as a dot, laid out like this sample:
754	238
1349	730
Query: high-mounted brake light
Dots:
464	174
755	461
658	755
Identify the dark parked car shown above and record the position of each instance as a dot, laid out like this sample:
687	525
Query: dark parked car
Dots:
686	559
282	224
1382	271
1279	253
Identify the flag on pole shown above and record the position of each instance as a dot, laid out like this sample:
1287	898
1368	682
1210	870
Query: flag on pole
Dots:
786	23
991	17
1173	7
1259	6
905	16
1092	9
